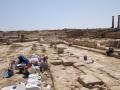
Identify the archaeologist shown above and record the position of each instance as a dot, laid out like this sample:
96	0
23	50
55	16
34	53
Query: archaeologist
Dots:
12	65
43	63
109	51
44	58
22	63
21	68
25	73
43	67
23	59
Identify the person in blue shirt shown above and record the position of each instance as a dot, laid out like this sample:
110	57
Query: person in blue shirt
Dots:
23	59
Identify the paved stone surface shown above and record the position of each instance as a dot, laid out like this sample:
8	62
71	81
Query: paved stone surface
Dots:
67	62
87	80
102	70
77	65
56	62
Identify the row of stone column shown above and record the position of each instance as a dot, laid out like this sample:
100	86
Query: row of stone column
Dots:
118	24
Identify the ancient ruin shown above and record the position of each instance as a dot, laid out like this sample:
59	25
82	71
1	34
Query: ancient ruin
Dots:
65	49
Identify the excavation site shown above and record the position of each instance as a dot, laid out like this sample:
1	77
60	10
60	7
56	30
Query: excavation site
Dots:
68	59
59	44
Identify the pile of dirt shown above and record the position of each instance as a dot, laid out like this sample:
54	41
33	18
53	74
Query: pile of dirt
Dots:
16	45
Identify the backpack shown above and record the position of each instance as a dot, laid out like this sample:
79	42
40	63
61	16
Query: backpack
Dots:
8	73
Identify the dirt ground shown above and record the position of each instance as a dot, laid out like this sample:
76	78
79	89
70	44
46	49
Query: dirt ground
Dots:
70	67
8	53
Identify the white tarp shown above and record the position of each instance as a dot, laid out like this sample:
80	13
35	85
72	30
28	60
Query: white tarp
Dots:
8	88
20	86
32	87
34	82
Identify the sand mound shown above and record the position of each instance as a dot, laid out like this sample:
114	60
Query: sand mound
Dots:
16	45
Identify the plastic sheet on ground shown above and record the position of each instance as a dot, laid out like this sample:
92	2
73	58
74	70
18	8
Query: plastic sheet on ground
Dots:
8	88
20	86
34	82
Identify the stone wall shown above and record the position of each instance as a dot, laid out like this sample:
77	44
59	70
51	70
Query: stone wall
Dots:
86	44
115	43
113	35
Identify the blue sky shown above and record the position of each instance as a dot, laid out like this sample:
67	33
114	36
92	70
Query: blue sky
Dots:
57	14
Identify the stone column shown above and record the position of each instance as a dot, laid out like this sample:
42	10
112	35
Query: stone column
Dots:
118	22
22	39
112	21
